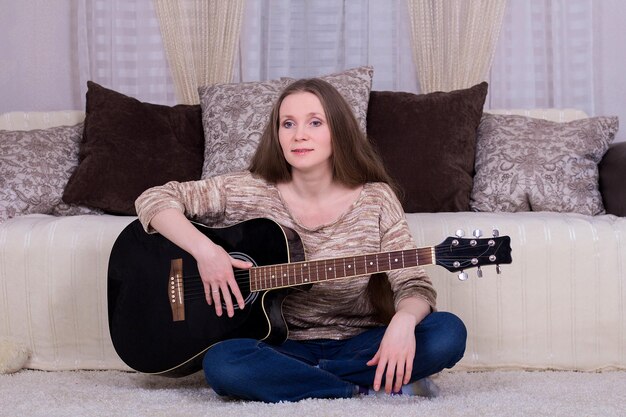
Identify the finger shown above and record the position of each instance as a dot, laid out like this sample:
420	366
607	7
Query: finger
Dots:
374	360
391	369
408	372
228	301
378	377
399	377
207	293
234	285
234	289
215	293
241	264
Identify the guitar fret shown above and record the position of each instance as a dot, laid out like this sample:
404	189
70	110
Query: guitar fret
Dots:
319	270
359	265
265	277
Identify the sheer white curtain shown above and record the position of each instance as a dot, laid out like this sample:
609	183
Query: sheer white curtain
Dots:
545	57
454	41
200	38
562	53
120	47
300	38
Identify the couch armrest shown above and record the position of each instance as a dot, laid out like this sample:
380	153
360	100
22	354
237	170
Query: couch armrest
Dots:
613	179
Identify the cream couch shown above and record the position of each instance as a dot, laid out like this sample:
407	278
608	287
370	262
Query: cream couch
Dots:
561	304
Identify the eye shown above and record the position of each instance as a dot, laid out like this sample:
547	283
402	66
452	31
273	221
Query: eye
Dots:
288	124
316	123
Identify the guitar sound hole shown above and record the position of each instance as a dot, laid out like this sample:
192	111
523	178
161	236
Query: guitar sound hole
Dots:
243	280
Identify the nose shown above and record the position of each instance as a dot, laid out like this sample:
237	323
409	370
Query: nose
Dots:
300	132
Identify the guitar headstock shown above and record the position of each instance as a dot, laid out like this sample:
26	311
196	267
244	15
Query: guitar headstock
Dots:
458	253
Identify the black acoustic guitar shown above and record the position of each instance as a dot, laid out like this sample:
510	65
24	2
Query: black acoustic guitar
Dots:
159	319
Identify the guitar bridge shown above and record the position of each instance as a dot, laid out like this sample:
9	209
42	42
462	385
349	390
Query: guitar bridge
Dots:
176	290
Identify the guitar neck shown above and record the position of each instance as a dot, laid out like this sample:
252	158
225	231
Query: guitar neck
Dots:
270	277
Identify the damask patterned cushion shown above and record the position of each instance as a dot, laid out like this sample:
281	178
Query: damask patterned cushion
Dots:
234	115
129	146
35	166
527	164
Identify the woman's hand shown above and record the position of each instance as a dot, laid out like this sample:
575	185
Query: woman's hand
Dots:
395	355
394	358
216	270
214	264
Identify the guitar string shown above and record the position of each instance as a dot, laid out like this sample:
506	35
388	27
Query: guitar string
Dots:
195	289
319	268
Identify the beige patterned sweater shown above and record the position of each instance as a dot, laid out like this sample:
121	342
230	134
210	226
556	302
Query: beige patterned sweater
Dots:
330	310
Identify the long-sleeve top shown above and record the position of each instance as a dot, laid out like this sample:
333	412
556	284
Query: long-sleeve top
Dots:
335	309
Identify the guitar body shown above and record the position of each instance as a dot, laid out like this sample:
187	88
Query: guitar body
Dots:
141	324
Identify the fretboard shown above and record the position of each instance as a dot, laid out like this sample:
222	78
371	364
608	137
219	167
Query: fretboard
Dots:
307	272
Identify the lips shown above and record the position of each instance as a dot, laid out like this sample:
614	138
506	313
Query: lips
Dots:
301	151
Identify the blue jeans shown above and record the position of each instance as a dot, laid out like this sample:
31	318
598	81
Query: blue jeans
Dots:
253	370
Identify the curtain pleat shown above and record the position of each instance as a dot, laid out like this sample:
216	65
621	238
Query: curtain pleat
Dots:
200	38
454	41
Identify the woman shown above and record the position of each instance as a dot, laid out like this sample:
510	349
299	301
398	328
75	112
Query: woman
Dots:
315	172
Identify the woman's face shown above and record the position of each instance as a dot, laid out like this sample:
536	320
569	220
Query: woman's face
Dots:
304	133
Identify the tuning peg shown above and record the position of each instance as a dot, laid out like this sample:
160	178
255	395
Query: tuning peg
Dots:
498	270
495	233
459	233
463	276
477	233
479	272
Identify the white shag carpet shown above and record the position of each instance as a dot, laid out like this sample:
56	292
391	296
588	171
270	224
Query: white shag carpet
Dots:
496	393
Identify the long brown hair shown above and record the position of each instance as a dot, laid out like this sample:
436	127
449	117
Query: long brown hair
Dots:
354	162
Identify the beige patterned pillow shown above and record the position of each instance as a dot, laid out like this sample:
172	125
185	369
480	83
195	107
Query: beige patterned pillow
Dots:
35	166
527	164
234	115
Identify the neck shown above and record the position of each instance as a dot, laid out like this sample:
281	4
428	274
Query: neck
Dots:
308	272
311	185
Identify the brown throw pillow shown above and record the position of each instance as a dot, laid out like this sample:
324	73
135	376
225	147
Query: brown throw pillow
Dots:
427	143
612	174
129	146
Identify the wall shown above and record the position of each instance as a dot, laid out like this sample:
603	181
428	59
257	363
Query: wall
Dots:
36	59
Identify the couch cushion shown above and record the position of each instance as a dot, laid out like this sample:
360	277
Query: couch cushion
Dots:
31	120
35	166
53	281
528	164
558	305
234	115
129	146
427	142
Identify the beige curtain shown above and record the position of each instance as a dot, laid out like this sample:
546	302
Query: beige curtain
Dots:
454	41
200	39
